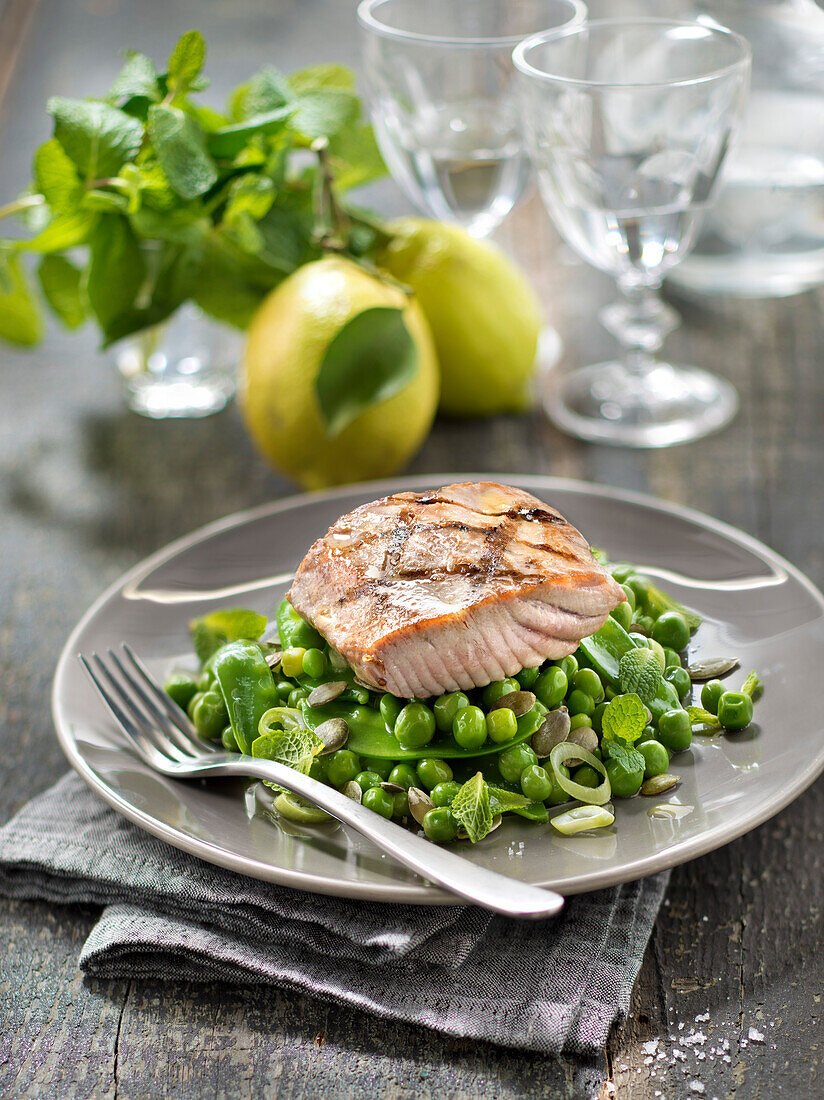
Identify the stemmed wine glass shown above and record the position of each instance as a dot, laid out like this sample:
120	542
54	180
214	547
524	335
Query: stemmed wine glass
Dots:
628	122
444	105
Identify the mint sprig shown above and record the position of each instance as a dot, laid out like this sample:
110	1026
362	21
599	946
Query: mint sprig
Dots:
640	673
472	808
624	718
149	197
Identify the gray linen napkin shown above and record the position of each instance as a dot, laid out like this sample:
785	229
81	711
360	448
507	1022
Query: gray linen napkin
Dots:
550	986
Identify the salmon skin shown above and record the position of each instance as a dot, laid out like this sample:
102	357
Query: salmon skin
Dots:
424	593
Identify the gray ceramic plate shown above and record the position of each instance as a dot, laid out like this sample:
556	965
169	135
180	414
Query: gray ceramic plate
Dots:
756	606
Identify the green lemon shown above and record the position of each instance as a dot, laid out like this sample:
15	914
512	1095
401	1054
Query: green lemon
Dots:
483	313
285	347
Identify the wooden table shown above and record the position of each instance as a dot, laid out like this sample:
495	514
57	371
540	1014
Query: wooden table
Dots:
729	1002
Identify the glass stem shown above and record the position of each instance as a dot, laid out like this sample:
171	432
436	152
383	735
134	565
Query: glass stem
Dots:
640	322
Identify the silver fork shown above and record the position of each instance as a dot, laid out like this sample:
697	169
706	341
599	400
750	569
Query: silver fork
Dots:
162	736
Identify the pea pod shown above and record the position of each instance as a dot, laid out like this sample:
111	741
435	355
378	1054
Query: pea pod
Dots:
247	686
293	629
603	652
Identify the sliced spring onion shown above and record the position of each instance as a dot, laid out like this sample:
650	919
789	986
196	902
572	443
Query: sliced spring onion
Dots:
582	818
281	718
592	796
295	808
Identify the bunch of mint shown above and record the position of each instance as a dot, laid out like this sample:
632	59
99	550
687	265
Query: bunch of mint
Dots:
146	199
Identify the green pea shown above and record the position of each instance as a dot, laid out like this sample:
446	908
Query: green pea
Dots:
625	782
644	623
296	697
444	793
493	692
180	687
314	663
587	776
446	707
318	770
512	762
648	734
536	783
390	707
551	687
190	709
711	692
207	679
557	795
431	772
597	716
405	775
734	710
630	595
671	629
621	572
675	730
342	767
569	666
284	688
622	615
469	727
527	677
400	804
638	584
377	764
656	758
303	634
671	658
578	702
228	740
680	680
576	721
440	825
415	726
291	663
210	716
380	801
367	780
588	681
501	725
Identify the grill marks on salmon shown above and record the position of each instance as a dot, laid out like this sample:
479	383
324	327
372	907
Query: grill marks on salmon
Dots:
430	592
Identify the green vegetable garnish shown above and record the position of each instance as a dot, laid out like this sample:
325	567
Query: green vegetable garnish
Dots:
211	631
624	718
471	807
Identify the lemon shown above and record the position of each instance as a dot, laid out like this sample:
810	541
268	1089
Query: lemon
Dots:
285	346
483	313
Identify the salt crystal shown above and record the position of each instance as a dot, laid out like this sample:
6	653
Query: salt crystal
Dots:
703	1018
680	1055
650	1046
696	1086
755	1036
648	1061
695	1038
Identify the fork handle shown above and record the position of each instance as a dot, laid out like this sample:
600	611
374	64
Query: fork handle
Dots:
456	874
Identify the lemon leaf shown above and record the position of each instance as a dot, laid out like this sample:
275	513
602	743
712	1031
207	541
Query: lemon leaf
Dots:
372	358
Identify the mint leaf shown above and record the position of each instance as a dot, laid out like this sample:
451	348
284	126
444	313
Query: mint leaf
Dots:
639	672
250	194
323	113
186	63
753	686
19	317
355	157
627	756
116	270
317	77
700	717
231	285
138	77
63	231
502	801
267	91
61	283
181	149
624	719
371	359
471	807
229	140
56	177
210	632
99	138
296	747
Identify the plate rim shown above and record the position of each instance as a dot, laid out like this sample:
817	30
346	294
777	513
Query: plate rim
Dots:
412	893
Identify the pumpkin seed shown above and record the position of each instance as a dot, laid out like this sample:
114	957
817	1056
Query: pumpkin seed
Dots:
637	628
552	731
585	737
392	788
353	790
419	804
273	658
519	702
712	668
368	687
334	733
657	784
325	693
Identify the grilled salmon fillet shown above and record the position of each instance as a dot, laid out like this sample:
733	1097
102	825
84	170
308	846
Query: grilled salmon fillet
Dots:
451	589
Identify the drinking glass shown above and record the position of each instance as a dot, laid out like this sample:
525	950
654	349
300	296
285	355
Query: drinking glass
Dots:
628	123
444	107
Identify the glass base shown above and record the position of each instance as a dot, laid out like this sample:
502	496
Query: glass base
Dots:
663	405
163	398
